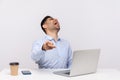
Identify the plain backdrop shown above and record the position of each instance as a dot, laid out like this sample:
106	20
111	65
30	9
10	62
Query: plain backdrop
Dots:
86	24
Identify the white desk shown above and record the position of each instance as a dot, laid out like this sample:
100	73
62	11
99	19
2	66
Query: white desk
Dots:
37	74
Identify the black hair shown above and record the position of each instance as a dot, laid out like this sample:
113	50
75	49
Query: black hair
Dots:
43	22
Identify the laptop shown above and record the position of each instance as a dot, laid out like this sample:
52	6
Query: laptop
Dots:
83	62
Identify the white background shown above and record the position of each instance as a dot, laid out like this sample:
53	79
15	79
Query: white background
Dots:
86	24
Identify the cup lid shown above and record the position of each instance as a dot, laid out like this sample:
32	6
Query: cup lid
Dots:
14	63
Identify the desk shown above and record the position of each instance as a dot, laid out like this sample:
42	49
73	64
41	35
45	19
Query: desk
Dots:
47	74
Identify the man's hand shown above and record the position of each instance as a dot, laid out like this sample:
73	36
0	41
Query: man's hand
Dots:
48	45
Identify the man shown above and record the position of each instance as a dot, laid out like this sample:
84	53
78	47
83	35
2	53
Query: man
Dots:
51	52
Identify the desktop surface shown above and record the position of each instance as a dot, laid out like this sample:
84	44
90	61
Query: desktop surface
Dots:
47	74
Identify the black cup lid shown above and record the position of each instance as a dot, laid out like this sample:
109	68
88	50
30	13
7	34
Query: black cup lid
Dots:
14	63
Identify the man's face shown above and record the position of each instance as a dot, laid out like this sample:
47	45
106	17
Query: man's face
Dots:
52	24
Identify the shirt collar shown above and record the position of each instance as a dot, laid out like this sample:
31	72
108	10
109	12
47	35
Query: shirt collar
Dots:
50	38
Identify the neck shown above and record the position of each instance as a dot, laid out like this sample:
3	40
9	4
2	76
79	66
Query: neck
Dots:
53	35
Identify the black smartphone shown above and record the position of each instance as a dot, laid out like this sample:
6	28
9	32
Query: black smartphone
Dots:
26	72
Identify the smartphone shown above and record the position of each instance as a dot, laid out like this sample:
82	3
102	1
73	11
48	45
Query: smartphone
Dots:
26	72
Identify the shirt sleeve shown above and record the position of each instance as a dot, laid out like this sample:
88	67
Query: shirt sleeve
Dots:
37	53
70	54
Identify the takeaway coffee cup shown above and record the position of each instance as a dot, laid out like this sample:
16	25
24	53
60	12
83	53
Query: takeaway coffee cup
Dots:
14	68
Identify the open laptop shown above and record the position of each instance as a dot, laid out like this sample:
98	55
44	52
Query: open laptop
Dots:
83	62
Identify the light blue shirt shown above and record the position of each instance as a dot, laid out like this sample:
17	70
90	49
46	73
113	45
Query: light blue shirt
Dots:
56	58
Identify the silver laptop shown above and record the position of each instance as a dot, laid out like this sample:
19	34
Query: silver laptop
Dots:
83	62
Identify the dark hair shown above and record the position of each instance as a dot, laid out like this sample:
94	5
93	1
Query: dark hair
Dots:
43	22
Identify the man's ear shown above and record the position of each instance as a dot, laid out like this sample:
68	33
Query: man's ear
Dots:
44	26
